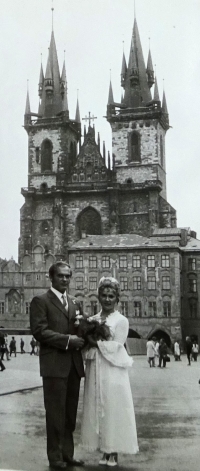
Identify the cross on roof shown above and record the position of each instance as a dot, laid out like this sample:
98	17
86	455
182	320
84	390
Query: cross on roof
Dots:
89	118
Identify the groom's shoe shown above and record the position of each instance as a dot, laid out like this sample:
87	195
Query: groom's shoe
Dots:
73	462
58	465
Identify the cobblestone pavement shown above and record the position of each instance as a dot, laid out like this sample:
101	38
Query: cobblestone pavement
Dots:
167	406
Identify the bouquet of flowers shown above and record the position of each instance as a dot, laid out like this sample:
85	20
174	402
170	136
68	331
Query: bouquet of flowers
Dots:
91	329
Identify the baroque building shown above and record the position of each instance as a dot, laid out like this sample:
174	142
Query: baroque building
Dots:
105	214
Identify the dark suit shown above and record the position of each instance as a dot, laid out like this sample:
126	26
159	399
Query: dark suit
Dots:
60	368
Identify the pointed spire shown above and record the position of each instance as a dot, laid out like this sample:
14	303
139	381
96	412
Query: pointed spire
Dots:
27	108
41	82
156	92
137	91
104	151
108	160
98	141
77	117
63	89
123	71
110	95
164	104
51	87
150	71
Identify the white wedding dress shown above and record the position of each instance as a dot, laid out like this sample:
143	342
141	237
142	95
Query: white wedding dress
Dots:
108	422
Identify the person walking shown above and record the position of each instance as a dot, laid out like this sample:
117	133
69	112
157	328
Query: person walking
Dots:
52	322
2	367
22	346
195	350
177	351
33	345
188	349
151	351
162	353
108	422
13	347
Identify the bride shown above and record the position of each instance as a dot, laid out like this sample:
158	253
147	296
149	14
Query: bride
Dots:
108	421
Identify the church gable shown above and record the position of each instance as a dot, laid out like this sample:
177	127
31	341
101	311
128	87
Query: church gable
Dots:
90	165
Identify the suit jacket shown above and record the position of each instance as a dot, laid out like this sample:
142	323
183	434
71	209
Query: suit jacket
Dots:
51	325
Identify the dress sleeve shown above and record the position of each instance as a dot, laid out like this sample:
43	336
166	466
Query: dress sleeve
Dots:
121	330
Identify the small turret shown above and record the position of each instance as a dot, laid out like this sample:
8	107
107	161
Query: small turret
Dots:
27	114
164	104
110	95
156	97
150	71
77	116
123	71
41	82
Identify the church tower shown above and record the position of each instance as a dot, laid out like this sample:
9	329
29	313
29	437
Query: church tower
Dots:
52	152
139	125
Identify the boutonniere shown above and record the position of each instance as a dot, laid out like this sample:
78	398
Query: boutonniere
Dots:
78	316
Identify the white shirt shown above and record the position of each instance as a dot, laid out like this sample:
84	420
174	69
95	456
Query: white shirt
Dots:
60	296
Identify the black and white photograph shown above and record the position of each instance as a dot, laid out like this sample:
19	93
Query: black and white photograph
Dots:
100	235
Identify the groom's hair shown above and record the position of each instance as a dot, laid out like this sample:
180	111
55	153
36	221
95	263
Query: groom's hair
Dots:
54	268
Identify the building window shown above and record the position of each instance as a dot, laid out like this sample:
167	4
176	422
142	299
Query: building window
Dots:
192	264
81	304
37	154
123	283
94	308
136	261
38	277
27	308
151	282
124	308
167	308
137	310
137	282
151	261
46	156
165	261
166	282
28	277
152	309
105	261
92	283
123	261
92	261
134	143
79	261
79	282
193	286
2	307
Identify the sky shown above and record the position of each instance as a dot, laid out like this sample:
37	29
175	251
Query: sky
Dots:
93	33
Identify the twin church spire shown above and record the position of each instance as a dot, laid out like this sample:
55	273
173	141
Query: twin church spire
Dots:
52	88
137	79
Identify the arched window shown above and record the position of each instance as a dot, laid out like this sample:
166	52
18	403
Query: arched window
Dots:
134	147
46	156
89	222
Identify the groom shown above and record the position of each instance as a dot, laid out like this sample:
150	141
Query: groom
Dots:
52	317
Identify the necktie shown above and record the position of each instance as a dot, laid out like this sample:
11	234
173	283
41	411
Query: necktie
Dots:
64	301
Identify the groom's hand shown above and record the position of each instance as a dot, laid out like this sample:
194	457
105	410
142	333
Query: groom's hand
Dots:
76	342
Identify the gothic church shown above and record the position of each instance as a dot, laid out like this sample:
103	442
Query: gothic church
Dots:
105	214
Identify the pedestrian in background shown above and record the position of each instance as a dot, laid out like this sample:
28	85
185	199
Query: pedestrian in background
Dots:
1	345
22	346
177	351
33	345
151	351
162	353
195	351
13	347
188	349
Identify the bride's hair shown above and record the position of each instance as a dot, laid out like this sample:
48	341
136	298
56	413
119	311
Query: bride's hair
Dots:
109	282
